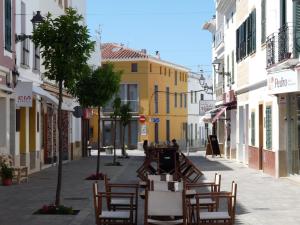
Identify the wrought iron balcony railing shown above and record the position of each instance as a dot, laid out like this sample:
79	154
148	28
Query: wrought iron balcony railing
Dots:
283	45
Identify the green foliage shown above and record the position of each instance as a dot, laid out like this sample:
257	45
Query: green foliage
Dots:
6	172
97	87
125	115
65	47
116	108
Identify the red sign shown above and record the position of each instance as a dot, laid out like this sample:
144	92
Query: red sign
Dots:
142	118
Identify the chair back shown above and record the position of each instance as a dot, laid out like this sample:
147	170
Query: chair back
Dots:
96	201
233	200
166	186
217	182
162	177
161	203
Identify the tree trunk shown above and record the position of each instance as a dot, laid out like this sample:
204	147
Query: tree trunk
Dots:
115	136
98	155
59	173
123	141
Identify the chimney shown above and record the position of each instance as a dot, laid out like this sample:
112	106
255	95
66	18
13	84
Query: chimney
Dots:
157	54
144	51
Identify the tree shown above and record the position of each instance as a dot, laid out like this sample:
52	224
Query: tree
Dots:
115	115
65	48
95	90
125	117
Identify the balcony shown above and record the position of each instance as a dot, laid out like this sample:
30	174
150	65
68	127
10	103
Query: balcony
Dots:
134	106
282	48
219	37
219	91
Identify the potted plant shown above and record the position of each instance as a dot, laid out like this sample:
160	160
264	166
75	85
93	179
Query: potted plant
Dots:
6	174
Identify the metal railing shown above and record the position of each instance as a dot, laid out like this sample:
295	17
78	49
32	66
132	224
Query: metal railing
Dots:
219	37
282	45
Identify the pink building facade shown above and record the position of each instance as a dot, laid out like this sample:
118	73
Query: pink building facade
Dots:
7	80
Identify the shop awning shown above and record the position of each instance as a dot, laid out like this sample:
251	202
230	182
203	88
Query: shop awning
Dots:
50	98
219	114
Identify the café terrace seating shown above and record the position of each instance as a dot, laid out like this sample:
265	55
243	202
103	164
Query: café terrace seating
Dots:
161	160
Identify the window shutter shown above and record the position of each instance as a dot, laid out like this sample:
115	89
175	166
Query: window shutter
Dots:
297	27
268	127
8	25
253	30
237	45
232	67
263	21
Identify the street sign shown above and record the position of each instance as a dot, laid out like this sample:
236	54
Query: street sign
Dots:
155	120
142	118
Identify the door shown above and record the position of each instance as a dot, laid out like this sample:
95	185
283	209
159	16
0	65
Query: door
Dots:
261	136
241	133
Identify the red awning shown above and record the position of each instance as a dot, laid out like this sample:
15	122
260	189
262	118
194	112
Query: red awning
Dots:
218	115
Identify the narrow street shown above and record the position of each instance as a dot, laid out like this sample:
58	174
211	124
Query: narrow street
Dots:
261	199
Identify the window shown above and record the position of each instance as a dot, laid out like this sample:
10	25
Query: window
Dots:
175	99
195	96
192	94
134	67
168	130
201	96
18	120
150	68
192	135
176	78
168	100
263	21
36	58
25	52
253	128
155	98
8	25
180	100
246	37
185	100
196	131
268	125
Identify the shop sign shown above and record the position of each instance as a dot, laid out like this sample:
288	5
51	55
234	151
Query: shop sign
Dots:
24	94
155	120
206	105
229	97
282	82
144	130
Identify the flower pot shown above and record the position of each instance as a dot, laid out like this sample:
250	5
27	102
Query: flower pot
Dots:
7	181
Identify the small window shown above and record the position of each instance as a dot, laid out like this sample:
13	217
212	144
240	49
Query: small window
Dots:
195	96
185	99
175	100
150	68
176	78
180	100
192	94
134	67
8	25
201	96
18	120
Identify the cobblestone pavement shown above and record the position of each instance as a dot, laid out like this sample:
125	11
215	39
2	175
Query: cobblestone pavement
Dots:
262	200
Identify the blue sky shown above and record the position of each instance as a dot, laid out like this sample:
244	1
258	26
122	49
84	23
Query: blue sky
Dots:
173	27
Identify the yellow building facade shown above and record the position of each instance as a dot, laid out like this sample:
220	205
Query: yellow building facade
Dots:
156	90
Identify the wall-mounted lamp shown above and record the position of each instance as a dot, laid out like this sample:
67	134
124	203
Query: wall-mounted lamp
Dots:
36	19
218	68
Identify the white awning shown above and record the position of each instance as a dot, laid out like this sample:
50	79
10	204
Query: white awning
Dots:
45	94
50	98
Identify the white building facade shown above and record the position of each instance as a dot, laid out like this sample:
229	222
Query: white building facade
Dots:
199	101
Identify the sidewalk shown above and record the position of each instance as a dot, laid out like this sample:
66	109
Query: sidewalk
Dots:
262	200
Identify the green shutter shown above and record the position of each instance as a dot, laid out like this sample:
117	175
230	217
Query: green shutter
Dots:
8	25
268	127
297	28
253	128
253	20
263	21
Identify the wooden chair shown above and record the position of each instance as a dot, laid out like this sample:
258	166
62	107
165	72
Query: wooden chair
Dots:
115	203
220	217
166	185
187	170
108	217
161	177
211	203
163	208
